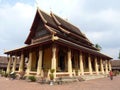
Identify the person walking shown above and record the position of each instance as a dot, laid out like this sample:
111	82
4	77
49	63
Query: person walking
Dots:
111	75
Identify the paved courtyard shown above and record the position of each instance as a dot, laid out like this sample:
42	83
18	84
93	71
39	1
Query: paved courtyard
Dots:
97	84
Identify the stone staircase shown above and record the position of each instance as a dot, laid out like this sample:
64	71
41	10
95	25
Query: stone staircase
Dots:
67	79
89	77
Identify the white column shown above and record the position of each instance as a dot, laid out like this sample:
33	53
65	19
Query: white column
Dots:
96	66
109	65
29	63
90	66
81	64
101	66
21	67
53	61
39	68
14	64
106	67
9	64
69	63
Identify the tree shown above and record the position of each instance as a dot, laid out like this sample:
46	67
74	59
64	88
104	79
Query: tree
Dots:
98	47
119	55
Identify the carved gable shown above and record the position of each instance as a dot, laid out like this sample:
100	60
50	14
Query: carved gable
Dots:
40	33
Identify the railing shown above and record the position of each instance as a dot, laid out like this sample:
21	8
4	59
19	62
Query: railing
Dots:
32	72
59	74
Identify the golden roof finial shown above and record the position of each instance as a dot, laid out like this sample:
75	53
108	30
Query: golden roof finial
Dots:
37	3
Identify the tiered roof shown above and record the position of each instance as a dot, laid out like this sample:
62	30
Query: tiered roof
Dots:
56	25
64	33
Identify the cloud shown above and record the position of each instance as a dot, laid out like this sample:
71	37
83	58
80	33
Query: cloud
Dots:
112	52
100	26
99	20
15	22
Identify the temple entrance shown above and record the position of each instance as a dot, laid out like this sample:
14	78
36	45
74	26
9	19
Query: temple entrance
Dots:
61	61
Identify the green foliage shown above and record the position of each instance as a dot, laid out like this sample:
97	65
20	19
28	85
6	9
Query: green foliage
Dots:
51	74
13	75
0	71
32	78
52	70
119	55
76	71
4	74
98	47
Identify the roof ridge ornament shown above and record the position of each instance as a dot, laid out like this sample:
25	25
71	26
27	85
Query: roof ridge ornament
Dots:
39	10
37	3
55	19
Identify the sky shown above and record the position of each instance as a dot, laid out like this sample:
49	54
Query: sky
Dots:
99	20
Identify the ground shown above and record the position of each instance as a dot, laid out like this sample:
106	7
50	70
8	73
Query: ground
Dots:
96	84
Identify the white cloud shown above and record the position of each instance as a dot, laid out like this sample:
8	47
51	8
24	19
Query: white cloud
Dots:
112	52
15	22
100	24
108	16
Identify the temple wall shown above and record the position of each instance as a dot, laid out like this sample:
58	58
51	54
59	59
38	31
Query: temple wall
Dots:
47	58
76	58
34	61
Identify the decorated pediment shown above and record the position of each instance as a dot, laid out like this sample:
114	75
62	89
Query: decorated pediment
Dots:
40	32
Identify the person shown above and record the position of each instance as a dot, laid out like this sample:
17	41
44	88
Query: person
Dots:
111	75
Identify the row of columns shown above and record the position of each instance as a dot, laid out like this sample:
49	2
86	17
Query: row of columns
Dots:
107	63
81	63
53	63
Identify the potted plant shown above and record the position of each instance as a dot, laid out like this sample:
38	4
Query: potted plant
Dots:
12	75
51	76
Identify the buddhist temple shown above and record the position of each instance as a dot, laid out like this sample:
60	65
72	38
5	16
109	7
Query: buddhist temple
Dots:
54	43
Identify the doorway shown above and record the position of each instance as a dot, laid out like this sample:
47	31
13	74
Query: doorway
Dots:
61	60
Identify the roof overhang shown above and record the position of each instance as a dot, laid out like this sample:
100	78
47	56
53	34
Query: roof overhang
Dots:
81	48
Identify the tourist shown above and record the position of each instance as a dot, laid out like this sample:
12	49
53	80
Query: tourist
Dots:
111	75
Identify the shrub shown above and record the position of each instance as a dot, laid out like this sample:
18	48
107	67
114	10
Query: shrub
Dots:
32	78
0	71
52	70
51	74
13	75
4	74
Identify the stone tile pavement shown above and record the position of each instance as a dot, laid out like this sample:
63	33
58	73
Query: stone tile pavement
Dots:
96	84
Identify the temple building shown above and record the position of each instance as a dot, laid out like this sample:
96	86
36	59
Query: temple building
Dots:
115	64
3	63
54	43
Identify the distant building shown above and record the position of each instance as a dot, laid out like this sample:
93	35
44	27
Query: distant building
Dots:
115	65
54	43
3	63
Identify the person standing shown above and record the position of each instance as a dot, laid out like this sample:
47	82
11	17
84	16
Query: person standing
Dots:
111	75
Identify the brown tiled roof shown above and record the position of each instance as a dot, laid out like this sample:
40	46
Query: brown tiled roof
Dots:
48	18
51	21
115	63
78	47
3	62
3	59
68	25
